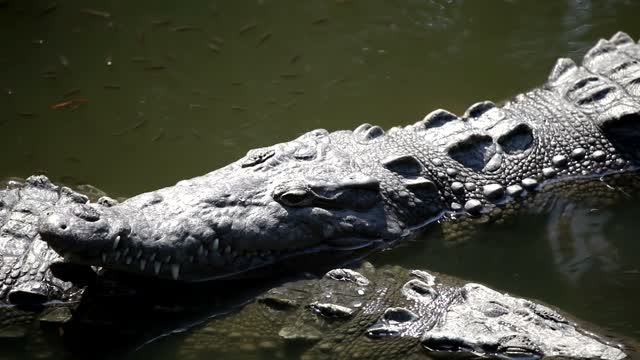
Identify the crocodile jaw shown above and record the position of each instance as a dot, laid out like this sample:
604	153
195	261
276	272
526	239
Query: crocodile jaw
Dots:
219	245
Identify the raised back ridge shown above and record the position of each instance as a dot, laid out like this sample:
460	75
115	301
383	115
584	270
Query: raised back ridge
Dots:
578	123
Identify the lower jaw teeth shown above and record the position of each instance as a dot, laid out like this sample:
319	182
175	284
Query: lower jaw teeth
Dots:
175	271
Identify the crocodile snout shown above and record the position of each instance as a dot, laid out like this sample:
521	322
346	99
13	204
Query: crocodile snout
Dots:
74	227
54	224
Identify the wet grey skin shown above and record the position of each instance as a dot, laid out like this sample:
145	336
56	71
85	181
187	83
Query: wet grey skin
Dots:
395	313
330	193
26	276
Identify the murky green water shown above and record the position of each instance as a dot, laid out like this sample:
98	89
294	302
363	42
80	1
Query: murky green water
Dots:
135	95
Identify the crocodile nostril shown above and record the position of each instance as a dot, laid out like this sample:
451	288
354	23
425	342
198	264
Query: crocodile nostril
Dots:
63	226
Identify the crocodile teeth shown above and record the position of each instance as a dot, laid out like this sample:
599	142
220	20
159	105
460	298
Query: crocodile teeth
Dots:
156	267
128	260
139	254
152	257
227	250
216	244
116	242
175	271
116	256
104	257
200	250
143	264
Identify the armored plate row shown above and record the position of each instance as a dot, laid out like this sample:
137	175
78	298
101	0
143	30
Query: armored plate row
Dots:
517	140
404	165
493	191
438	118
476	110
474	151
622	39
367	132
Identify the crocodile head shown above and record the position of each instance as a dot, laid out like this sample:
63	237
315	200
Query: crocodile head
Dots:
304	197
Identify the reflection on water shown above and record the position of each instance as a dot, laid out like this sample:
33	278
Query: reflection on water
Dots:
132	96
589	247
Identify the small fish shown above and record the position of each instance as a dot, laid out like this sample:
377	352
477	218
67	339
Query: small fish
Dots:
320	21
68	103
139	59
98	13
186	28
238	108
196	134
247	28
158	136
264	38
26	114
111	86
294	59
297	92
160	22
63	61
155	67
139	124
217	40
213	47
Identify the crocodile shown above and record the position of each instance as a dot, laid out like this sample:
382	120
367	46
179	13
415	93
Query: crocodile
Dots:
31	272
392	313
343	194
371	313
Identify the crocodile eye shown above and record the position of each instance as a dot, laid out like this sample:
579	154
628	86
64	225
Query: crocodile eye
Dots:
257	156
297	197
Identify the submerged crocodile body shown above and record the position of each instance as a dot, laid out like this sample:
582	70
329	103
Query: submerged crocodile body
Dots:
26	275
346	193
393	313
368	313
